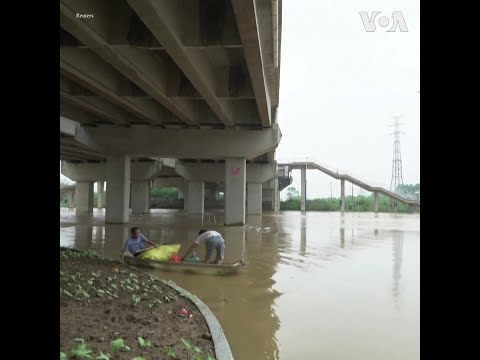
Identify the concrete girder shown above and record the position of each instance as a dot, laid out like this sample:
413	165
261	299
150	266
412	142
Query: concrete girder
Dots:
97	171
138	65
248	26
161	20
215	172
185	143
88	70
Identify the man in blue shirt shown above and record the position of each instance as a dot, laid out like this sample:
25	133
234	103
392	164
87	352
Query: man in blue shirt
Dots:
213	240
136	243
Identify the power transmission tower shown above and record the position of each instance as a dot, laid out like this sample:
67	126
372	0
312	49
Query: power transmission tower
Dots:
397	175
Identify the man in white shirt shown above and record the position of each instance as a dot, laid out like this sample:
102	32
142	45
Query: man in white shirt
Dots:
213	240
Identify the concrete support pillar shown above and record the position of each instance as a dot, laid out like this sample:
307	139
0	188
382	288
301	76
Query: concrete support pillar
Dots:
375	202
180	193
84	197
196	197
118	195
100	194
276	196
140	197
235	178
411	209
185	197
303	198
254	199
71	199
342	195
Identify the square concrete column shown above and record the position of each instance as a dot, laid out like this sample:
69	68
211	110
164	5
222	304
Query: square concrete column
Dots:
267	199
180	193
196	197
276	196
71	199
140	197
375	201
254	199
342	195
84	197
100	194
118	189
303	199
235	191
185	197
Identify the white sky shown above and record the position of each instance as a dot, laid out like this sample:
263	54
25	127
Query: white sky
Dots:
340	87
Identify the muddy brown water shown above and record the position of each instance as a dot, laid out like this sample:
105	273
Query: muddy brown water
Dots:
315	285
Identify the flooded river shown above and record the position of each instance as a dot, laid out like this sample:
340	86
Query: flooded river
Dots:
315	286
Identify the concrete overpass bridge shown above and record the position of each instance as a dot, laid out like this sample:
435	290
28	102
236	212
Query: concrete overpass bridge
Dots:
286	168
196	81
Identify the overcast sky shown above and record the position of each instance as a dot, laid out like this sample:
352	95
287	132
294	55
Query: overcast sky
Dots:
340	87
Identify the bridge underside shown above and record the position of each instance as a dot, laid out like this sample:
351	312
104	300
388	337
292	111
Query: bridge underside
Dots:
197	81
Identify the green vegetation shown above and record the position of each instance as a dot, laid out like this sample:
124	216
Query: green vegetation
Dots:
165	192
195	352
358	203
81	351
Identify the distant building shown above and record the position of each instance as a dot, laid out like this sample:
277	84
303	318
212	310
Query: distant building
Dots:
417	194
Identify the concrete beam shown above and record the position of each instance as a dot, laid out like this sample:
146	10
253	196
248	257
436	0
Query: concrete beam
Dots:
85	68
161	18
169	182
67	126
187	143
248	27
215	172
139	65
97	171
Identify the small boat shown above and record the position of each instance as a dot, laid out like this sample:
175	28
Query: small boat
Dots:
186	267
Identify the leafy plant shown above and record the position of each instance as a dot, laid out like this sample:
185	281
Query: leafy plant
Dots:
63	356
135	299
144	343
103	356
118	345
81	351
209	357
170	352
191	349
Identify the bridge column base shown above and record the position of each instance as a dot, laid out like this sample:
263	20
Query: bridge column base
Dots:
84	197
140	197
196	197
118	197
254	199
235	192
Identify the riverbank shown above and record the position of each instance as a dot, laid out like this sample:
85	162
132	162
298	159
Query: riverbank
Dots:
108	308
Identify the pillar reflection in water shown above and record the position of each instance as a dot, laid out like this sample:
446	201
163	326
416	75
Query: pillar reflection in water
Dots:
98	240
342	237
303	235
397	252
83	236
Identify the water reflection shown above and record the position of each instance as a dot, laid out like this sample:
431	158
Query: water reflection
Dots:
303	235
266	309
397	237
342	237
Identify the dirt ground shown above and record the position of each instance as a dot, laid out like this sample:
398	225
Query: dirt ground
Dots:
102	301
